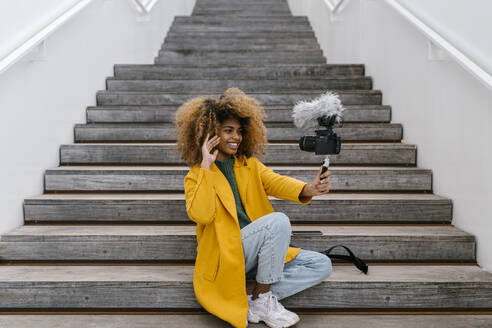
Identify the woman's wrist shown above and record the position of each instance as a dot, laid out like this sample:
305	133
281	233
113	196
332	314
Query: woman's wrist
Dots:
206	164
307	191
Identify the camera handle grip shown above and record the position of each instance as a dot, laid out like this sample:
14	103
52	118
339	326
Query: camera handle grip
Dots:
326	164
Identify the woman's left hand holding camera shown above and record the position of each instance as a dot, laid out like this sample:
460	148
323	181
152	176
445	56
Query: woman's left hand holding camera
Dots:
319	186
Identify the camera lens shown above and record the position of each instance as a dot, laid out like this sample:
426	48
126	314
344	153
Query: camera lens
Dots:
307	143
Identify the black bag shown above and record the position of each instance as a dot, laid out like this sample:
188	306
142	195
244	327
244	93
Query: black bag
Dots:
361	265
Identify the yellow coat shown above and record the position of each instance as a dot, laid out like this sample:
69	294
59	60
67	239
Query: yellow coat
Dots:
219	277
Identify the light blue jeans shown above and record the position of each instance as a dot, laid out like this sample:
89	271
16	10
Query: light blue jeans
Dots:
265	243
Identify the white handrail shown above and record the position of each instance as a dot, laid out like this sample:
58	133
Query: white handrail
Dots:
145	8
40	36
437	39
334	7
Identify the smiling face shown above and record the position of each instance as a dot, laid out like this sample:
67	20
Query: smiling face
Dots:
231	135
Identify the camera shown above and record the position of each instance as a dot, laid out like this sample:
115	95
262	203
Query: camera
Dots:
325	142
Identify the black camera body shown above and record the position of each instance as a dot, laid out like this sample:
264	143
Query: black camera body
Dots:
325	142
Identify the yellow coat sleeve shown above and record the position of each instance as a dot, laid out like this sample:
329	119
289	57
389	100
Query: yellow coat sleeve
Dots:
281	186
200	195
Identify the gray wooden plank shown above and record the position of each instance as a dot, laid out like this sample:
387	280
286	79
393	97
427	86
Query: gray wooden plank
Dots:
242	12
232	39
245	20
225	6
155	132
172	243
166	114
170	178
242	35
277	72
329	208
251	27
252	2
242	20
239	60
234	54
385	287
215	85
223	46
347	97
195	320
350	154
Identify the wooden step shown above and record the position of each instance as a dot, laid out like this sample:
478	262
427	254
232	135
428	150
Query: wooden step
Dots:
247	59
170	178
173	243
347	97
241	27
240	39
277	132
224	6
189	47
143	287
251	2
234	54
214	85
201	320
251	27
170	208
274	20
166	114
351	154
153	72
233	12
240	35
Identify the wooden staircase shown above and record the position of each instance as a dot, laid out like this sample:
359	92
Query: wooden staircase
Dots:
109	243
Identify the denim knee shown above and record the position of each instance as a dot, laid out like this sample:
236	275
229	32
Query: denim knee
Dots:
325	267
281	223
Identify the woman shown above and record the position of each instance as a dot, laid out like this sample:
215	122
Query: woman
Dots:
238	232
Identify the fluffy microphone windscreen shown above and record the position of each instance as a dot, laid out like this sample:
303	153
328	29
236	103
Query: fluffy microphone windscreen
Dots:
306	113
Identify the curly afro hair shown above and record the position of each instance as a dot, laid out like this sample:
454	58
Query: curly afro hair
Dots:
203	115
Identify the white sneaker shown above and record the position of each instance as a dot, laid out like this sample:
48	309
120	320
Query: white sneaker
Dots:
267	308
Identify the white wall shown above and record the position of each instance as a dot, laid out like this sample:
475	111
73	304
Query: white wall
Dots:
466	24
21	19
445	111
41	101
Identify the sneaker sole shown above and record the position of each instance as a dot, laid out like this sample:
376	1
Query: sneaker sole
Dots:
273	325
253	319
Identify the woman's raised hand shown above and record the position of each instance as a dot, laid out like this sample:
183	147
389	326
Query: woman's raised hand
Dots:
319	186
207	157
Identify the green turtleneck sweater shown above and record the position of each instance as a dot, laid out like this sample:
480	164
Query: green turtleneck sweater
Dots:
226	167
